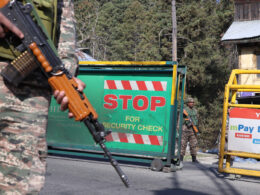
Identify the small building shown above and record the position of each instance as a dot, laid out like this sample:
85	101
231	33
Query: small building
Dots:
245	33
82	55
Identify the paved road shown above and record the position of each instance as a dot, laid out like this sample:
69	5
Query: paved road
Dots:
70	176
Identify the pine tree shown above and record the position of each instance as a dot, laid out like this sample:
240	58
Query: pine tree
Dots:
142	30
200	25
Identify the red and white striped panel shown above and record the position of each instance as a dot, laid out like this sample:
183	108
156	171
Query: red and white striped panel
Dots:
135	138
136	85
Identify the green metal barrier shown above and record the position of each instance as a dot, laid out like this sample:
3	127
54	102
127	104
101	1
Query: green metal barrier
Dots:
137	103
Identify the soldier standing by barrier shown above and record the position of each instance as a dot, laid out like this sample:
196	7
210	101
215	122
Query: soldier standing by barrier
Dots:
188	131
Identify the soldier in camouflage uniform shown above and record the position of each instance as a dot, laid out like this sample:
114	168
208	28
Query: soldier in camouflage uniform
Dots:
188	134
23	116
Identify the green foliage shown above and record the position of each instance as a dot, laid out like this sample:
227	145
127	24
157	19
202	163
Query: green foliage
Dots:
142	30
125	30
200	49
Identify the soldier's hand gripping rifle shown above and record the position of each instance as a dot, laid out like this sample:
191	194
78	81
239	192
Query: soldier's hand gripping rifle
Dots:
188	118
36	47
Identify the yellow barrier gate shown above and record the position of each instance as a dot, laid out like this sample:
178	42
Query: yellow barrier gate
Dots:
231	88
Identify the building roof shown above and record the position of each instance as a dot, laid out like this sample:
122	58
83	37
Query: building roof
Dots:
82	56
242	30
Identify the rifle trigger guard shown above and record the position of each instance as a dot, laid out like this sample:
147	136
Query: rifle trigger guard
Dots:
57	73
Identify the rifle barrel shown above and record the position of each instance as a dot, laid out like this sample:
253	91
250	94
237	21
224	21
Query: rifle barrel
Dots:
93	128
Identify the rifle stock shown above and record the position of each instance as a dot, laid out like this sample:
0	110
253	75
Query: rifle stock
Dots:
35	47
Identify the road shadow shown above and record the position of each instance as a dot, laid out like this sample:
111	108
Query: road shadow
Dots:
178	192
197	178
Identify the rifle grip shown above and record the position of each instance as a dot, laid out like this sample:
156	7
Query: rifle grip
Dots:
78	104
40	57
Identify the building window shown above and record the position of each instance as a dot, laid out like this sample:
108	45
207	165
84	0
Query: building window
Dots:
258	63
247	10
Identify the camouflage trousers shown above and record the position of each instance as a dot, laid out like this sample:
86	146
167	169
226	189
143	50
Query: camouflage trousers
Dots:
23	149
188	136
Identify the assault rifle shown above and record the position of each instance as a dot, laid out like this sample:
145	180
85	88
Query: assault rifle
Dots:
36	47
188	118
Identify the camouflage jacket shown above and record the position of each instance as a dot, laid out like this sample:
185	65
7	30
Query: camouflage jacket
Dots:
67	35
193	115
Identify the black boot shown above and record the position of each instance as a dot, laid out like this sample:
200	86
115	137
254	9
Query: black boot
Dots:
181	158
194	159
